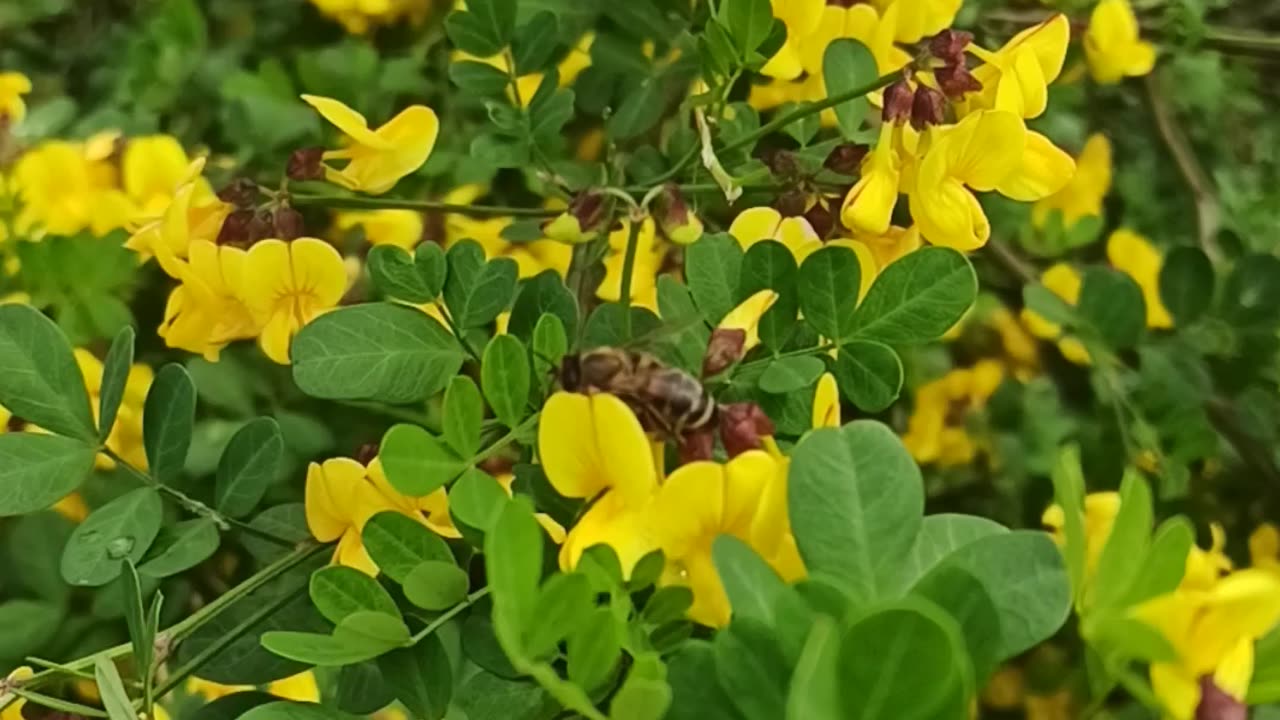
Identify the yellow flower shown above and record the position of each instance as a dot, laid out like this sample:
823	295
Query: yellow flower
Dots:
703	500
868	206
192	214
360	16
1016	77
1100	510
126	435
64	192
377	159
13	85
921	18
287	285
13	711
1213	632
862	23
1264	547
650	252
207	311
1082	196
531	257
1042	170
1136	257
402	228
889	246
1112	46
801	18
764	223
1205	568
593	447
1020	348
746	316
152	168
73	507
980	151
826	402
298	688
936	431
568	69
1062	280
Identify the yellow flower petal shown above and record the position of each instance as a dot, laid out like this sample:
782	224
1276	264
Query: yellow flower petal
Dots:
350	122
755	224
318	271
746	316
826	402
1043	170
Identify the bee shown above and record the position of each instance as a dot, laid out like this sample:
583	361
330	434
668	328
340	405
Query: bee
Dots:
665	399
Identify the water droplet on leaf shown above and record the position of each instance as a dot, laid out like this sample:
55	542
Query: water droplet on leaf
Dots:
120	548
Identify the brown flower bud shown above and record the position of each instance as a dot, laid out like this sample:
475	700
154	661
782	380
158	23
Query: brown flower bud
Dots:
581	221
743	427
949	45
678	223
287	223
956	80
725	348
897	102
698	445
305	164
791	203
260	227
782	163
241	192
235	229
821	219
366	453
1217	704
15	424
846	158
928	108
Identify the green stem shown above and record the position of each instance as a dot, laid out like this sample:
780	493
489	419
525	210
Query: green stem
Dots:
825	347
462	339
628	271
58	703
680	165
450	614
363	203
504	441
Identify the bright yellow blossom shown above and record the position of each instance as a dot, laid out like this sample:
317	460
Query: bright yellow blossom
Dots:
567	70
192	214
1112	46
298	688
1082	196
920	18
377	159
746	316
13	711
1205	568
64	192
936	431
206	311
530	257
402	228
286	285
152	168
764	223
1136	257
360	16
862	23
1016	77
1100	510
1264	547
826	402
887	247
13	85
801	18
650	252
868	206
1062	280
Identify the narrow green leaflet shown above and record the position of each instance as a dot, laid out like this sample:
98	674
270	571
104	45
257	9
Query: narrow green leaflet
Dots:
1125	552
168	418
330	650
640	111
114	697
123	528
549	346
37	470
815	693
476	291
791	374
375	351
398	544
1068	494
339	591
749	582
748	23
504	374
135	616
463	416
478	78
713	266
564	600
595	649
41	382
645	694
829	281
180	547
513	561
869	374
535	42
476	499
1165	563
436	585
115	376
846	65
421	677
416	462
248	466
917	298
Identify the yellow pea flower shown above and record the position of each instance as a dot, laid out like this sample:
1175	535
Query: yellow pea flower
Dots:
862	23
1062	280
1205	568
746	316
1100	510
889	246
868	206
1213	632
826	402
1082	196
63	191
207	312
650	252
936	431
360	16
568	69
1136	257
801	18
756	224
592	446
402	228
126	435
13	711
377	159
13	85
980	151
192	214
1264	547
287	285
1020	349
1112	46
703	500
921	18
298	688
1016	77
1042	170
152	168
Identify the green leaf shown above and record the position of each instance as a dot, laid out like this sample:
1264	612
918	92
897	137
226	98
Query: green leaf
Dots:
900	662
535	42
645	694
869	373
689	343
563	601
815	690
400	275
752	669
295	711
123	528
1265	686
1120	637
248	466
1125	551
504	374
168	418
544	293
463	416
115	375
855	499
135	616
416	463
790	374
1186	284
829	281
1046	303
484	695
640	111
750	584
37	470
513	563
114	697
846	65
1250	294
41	382
607	326
375	351
180	547
421	677
436	585
550	345
713	266
1068	494
551	107
480	79
30	625
476	499
770	265
595	649
398	544
748	23
485	28
1111	303
329	650
339	591
939	536
695	689
917	298
476	291
1165	562
965	599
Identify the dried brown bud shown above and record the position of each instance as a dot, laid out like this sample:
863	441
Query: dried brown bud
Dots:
15	424
287	223
743	427
956	80
235	229
821	219
241	192
949	45
306	164
698	445
260	227
367	453
790	203
497	465
897	102
928	108
725	348
1217	704
679	224
782	163
845	158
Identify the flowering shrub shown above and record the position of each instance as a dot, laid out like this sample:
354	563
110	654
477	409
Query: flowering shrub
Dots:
736	359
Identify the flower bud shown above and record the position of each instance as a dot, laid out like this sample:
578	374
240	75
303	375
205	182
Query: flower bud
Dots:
782	164
367	453
260	227
235	228
305	164
949	45
897	102
846	158
1217	704
241	192
790	203
928	108
698	445
581	222
743	426
821	218
287	223
726	347
680	225
956	80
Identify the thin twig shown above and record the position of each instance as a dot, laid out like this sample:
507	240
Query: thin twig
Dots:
1208	211
367	203
449	614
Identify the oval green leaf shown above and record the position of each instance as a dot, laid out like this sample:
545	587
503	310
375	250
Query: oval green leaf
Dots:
123	528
